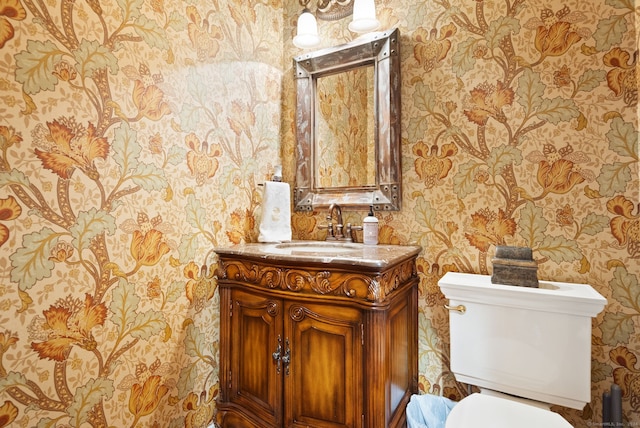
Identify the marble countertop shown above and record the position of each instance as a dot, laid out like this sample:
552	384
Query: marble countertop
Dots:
324	252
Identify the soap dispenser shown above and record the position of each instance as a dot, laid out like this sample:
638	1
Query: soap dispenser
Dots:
370	228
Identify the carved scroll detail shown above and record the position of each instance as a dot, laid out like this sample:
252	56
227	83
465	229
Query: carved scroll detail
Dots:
371	286
272	308
297	313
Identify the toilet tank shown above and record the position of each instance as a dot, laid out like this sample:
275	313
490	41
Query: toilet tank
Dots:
529	342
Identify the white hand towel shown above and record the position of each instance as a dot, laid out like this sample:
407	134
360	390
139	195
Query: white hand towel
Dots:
275	225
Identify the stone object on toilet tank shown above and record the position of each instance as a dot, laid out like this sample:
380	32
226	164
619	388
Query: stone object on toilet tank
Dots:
514	266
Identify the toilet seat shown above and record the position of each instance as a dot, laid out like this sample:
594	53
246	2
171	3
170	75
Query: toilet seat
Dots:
486	411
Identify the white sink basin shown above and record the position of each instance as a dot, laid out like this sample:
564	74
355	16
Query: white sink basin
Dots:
316	247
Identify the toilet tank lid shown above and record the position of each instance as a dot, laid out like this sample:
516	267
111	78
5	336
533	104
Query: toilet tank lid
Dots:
560	297
486	411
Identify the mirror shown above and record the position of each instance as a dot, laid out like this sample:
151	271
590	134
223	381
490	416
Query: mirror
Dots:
348	125
345	128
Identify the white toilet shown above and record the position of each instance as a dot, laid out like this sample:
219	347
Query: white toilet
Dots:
525	348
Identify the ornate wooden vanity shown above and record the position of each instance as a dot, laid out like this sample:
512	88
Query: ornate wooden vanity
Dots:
321	335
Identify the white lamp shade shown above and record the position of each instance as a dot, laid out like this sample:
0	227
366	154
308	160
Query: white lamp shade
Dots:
364	16
307	31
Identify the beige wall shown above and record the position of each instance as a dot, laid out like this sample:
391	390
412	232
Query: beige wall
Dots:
134	135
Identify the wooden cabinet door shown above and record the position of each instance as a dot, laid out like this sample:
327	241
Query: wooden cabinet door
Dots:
323	382
256	368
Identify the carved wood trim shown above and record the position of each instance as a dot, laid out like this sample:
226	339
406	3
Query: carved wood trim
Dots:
368	286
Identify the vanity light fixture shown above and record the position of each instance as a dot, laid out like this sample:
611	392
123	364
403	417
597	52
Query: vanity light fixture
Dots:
363	11
307	31
364	17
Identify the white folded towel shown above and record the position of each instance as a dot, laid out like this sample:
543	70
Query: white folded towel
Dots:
275	225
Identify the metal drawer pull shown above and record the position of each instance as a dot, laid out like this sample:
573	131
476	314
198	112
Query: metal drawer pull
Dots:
460	308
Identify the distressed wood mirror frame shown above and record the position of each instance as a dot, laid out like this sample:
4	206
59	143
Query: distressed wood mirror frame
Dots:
382	50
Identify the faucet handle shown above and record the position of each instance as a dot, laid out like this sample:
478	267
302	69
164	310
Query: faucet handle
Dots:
351	231
329	227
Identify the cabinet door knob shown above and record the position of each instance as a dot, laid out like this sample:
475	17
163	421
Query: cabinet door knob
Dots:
286	358
277	354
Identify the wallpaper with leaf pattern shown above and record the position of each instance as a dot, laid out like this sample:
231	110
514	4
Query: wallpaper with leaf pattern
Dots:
520	127
134	134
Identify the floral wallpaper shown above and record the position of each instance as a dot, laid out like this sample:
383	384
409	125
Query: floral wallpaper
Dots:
134	134
520	127
130	139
